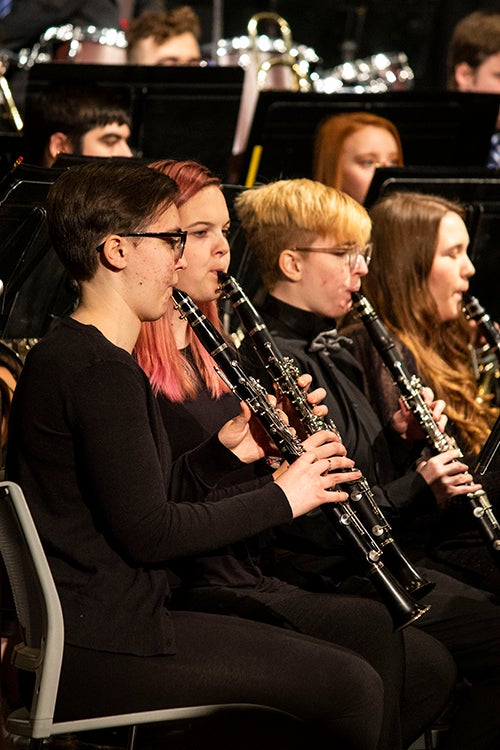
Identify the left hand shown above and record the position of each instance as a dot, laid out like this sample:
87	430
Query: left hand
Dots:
314	399
405	423
245	436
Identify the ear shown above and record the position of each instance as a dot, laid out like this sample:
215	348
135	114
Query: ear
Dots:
59	143
115	252
290	265
464	76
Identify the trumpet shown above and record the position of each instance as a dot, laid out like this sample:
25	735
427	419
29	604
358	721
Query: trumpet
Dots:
403	608
410	388
284	372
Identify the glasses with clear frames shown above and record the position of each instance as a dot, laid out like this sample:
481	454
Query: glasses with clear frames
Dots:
349	251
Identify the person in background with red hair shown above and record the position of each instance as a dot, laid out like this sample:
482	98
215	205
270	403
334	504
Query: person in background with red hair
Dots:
349	147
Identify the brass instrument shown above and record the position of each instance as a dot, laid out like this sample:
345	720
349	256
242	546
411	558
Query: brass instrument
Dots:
300	80
403	608
6	98
410	389
486	362
269	64
285	372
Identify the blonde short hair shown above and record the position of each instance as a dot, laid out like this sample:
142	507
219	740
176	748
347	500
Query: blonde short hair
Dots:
290	213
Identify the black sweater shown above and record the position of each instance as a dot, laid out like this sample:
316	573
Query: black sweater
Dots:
88	446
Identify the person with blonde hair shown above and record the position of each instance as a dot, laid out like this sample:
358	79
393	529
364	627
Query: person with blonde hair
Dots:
350	146
310	243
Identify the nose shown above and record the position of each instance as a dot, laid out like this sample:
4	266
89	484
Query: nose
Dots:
124	149
221	245
361	266
181	263
468	268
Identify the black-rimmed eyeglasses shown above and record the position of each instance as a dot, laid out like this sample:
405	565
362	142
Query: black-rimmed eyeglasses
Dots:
349	251
176	240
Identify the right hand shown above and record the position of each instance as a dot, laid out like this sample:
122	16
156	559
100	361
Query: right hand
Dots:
447	476
308	482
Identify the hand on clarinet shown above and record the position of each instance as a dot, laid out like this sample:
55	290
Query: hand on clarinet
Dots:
245	436
312	479
405	423
447	476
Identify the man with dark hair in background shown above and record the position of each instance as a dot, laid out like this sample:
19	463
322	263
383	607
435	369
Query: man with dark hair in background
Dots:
474	62
85	120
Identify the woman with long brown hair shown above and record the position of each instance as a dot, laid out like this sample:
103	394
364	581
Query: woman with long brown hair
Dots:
418	275
192	404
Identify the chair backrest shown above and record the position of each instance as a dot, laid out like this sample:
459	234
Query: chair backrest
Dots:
37	604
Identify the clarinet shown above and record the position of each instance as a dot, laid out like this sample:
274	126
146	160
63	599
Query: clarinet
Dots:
403	608
486	362
410	389
474	311
285	372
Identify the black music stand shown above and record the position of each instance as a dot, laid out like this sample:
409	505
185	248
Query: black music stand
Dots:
463	184
37	288
488	458
479	190
177	112
436	128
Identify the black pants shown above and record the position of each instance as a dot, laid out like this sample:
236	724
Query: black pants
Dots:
418	674
467	621
219	659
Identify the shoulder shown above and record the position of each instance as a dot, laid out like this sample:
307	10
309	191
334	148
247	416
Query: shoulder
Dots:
74	353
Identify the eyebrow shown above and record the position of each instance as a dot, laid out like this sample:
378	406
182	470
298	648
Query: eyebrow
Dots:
202	224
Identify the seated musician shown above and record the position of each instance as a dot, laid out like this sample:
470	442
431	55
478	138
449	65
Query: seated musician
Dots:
310	245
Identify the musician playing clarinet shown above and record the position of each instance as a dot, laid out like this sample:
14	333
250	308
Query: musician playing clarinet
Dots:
310	244
114	510
194	402
418	280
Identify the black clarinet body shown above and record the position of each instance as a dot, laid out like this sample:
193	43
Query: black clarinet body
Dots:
486	359
410	388
402	607
284	371
473	310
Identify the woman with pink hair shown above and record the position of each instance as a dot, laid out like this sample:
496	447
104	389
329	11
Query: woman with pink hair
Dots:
193	402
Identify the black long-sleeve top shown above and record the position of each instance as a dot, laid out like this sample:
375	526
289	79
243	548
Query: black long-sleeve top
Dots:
189	424
88	447
384	459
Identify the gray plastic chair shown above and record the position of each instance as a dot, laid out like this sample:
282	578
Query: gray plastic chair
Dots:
40	616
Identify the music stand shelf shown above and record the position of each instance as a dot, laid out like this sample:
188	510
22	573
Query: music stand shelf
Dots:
177	112
436	127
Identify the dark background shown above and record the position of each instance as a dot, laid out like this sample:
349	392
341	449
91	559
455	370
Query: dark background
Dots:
420	28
